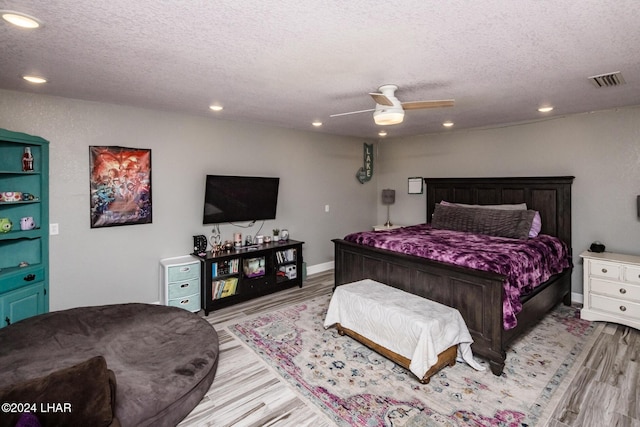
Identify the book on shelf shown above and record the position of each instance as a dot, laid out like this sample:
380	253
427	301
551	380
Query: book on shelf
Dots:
224	288
287	255
228	266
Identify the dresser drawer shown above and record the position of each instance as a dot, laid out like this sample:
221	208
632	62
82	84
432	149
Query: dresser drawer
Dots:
191	302
178	273
615	306
605	270
180	289
21	278
623	291
631	274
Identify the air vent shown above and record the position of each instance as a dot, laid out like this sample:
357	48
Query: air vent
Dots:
608	80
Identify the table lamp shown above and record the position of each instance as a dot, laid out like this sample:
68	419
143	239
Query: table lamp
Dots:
388	198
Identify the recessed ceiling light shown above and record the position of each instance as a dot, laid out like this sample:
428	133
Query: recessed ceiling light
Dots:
216	107
382	133
20	19
545	109
447	124
317	123
35	79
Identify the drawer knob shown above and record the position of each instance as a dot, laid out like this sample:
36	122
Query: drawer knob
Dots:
623	308
623	291
604	270
29	277
184	285
186	301
185	269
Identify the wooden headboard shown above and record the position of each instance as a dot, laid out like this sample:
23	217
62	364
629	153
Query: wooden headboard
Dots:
549	195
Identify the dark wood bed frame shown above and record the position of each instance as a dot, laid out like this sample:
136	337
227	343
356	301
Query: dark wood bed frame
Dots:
476	294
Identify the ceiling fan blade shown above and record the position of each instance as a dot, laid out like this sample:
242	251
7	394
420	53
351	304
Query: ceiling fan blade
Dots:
419	105
352	112
381	99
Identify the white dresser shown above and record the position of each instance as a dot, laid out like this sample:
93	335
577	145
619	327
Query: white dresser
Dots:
611	288
180	282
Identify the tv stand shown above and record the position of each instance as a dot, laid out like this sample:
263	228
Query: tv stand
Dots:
249	272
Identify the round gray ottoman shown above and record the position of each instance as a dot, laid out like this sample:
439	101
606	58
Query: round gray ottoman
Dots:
164	358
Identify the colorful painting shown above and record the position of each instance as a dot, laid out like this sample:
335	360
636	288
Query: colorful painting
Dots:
120	186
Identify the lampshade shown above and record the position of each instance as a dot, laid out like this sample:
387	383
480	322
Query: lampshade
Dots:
388	197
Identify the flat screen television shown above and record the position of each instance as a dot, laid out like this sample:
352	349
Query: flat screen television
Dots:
239	198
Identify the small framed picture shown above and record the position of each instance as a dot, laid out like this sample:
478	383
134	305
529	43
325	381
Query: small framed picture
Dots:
415	185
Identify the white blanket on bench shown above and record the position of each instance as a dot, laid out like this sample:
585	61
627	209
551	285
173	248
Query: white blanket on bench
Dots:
409	325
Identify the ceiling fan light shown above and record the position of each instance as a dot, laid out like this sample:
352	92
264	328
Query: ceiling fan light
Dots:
388	117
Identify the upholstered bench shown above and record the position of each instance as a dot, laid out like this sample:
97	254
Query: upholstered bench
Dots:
420	335
160	361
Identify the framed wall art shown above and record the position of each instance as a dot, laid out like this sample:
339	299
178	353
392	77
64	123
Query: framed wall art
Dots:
120	183
415	185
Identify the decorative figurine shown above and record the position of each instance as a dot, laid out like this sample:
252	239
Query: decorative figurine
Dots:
27	223
5	225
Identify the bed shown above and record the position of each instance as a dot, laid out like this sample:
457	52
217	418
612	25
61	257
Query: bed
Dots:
478	295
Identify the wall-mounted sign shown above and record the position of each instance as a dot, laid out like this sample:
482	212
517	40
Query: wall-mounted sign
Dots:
365	173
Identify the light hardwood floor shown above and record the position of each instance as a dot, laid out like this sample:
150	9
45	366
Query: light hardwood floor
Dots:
246	393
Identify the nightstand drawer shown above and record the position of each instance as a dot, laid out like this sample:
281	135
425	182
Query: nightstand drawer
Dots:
615	306
604	269
618	290
177	273
180	289
631	274
191	302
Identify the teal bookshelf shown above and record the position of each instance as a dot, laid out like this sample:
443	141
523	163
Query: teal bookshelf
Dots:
24	254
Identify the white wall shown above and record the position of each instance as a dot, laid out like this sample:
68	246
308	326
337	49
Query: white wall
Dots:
601	149
120	264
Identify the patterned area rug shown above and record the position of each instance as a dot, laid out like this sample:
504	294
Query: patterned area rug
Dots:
355	386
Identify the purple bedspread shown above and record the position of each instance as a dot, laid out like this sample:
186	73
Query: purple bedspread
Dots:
524	263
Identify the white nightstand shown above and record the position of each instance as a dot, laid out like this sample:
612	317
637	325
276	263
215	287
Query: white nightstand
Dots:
384	227
611	288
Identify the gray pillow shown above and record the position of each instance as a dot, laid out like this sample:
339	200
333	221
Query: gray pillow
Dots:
514	224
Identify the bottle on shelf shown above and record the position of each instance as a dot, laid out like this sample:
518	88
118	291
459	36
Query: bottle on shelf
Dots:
27	160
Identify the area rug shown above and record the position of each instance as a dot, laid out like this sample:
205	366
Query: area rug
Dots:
355	386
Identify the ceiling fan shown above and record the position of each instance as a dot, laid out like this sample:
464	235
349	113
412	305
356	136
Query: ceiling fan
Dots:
390	111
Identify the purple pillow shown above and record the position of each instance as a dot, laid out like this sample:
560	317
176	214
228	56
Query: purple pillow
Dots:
536	225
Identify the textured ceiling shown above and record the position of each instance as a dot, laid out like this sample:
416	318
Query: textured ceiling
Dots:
289	62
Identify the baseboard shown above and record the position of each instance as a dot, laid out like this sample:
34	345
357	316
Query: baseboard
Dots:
319	268
575	297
